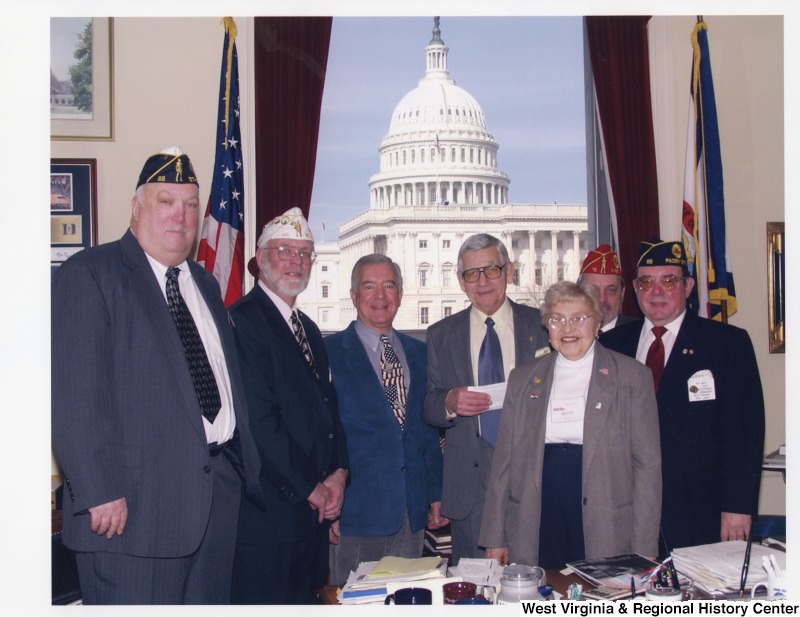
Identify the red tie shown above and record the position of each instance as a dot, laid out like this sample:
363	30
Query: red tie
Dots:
655	355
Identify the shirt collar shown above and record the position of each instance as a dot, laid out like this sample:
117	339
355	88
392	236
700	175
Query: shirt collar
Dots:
673	327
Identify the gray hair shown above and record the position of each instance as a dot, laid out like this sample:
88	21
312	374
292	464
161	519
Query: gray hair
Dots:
374	258
569	292
479	242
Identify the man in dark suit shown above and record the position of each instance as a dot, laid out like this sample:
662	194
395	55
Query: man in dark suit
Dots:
601	268
395	459
456	362
149	423
282	551
710	403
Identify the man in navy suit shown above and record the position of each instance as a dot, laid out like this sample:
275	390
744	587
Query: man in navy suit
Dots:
395	459
150	457
710	403
454	361
601	268
282	551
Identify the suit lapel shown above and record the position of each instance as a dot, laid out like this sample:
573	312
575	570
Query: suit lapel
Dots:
457	346
602	386
535	402
155	307
527	337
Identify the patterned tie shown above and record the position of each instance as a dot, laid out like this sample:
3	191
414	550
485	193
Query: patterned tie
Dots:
490	370
205	385
300	335
393	382
655	355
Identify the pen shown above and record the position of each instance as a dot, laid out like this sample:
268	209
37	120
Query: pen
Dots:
633	588
745	566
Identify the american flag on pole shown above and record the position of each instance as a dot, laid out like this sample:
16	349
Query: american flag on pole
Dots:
221	250
703	228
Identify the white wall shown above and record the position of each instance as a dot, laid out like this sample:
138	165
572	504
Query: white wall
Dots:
747	65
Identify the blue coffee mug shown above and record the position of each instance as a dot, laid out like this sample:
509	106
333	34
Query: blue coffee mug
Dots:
410	595
475	600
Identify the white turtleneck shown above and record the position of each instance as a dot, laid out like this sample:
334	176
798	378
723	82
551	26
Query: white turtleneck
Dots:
567	404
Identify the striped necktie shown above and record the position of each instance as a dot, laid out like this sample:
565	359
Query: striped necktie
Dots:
393	381
300	335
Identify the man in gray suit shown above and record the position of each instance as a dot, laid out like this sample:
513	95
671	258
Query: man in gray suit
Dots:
149	420
477	346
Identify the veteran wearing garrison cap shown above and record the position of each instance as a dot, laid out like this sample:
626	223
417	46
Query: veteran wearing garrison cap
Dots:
282	551
601	269
149	419
710	403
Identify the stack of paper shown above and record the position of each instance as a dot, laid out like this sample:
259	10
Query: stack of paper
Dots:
717	568
478	571
368	584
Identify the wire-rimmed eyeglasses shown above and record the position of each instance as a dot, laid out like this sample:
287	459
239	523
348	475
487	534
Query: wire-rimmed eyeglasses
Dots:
559	321
490	272
285	253
668	282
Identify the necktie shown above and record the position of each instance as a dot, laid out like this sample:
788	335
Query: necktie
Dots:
205	385
655	355
300	335
490	370
393	383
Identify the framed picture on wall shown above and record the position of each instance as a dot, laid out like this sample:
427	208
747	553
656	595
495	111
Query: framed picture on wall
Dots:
73	207
81	78
776	279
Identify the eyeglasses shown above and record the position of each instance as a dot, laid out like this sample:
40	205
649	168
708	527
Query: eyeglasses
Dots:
490	272
285	253
559	321
668	282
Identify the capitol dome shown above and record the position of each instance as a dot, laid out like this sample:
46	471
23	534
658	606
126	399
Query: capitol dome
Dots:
438	149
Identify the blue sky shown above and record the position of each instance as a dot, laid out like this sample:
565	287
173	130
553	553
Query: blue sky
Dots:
525	72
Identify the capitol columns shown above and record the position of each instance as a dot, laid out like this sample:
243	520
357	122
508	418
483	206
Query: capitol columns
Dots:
553	256
576	253
436	274
532	259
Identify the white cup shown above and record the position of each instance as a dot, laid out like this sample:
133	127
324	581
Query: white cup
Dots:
777	587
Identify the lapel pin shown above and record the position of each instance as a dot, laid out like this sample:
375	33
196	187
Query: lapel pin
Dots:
604	371
534	395
537	380
598	405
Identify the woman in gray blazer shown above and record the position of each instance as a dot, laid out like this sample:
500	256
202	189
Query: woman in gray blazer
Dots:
577	468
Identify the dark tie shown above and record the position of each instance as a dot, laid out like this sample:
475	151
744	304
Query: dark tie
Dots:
393	383
300	335
490	370
655	355
205	385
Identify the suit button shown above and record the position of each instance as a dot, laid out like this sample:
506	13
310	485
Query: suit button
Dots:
207	468
475	464
330	436
584	501
403	468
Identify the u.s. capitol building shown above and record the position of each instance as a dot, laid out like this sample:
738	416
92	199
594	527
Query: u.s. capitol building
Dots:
438	184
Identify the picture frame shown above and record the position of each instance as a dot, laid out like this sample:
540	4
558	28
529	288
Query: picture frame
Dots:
68	122
73	207
776	275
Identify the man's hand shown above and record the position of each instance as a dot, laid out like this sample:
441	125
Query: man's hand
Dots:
334	533
735	526
335	483
318	499
435	518
464	402
109	518
501	554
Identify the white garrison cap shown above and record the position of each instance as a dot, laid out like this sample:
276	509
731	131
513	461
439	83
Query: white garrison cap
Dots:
291	225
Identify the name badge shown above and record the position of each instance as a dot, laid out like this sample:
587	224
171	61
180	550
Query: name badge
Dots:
701	386
568	409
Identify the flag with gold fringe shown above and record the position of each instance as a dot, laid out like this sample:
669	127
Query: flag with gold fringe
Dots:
703	225
221	249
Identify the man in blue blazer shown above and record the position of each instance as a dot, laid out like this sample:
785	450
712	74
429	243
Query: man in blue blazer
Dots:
454	344
395	459
282	551
710	404
152	490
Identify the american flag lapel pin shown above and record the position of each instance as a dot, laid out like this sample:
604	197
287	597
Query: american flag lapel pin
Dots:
603	371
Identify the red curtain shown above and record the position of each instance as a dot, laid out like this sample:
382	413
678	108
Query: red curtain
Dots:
620	66
291	56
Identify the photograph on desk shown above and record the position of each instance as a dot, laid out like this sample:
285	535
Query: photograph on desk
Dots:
615	571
